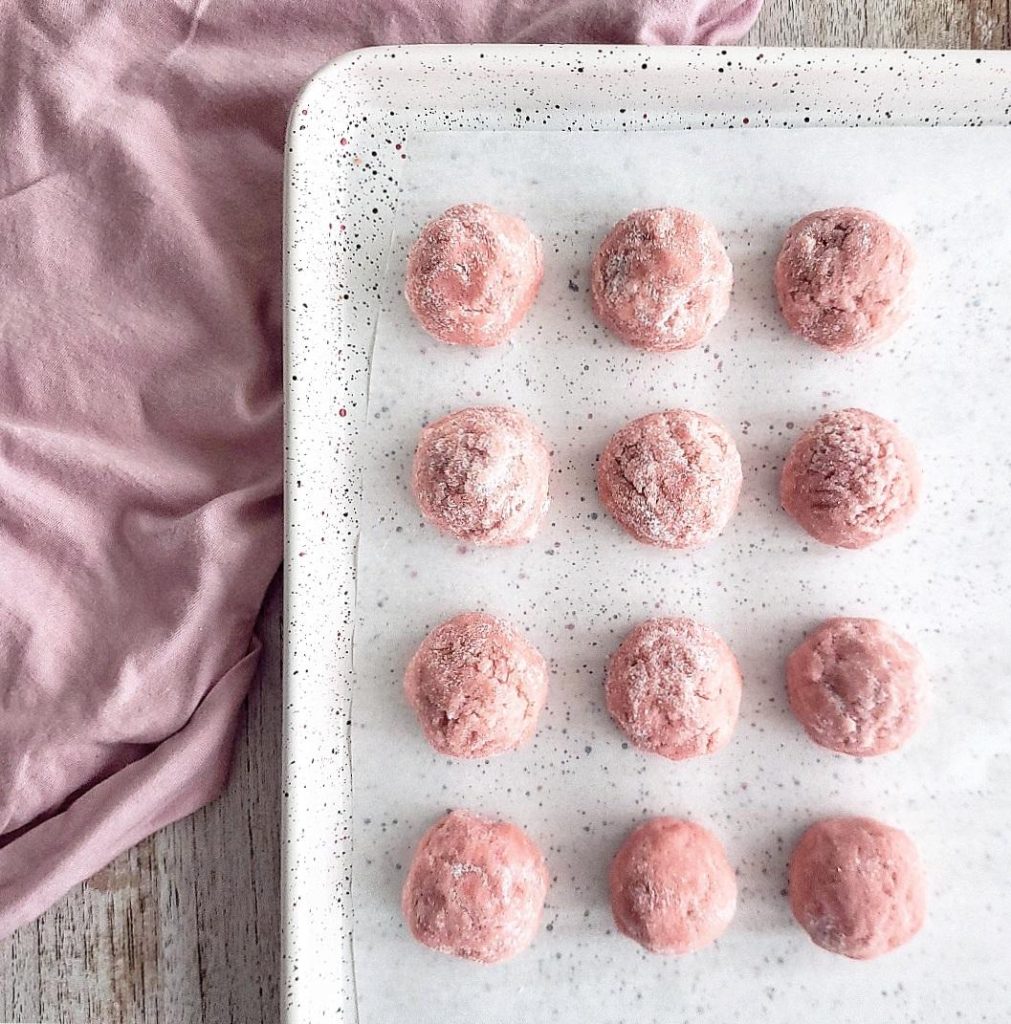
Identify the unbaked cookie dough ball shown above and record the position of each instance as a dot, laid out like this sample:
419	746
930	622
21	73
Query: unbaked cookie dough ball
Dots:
672	888
671	479
851	479
475	888
674	688
472	275
476	686
842	278
857	887
481	475
857	687
661	279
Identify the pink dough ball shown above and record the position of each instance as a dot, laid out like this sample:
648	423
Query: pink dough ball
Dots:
851	479
661	279
475	888
857	687
481	475
672	888
671	479
476	686
472	275
674	688
842	278
857	887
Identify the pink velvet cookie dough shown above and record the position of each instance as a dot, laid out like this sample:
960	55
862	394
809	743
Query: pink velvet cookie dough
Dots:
661	279
857	887
851	479
477	686
472	275
842	278
672	888
671	479
857	687
475	888
674	688
481	475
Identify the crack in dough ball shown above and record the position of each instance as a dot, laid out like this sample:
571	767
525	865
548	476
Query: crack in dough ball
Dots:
857	887
481	475
851	479
661	279
476	686
671	479
674	688
472	275
475	888
672	887
857	687
842	278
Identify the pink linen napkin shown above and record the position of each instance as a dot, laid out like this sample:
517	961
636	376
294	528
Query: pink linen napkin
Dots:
140	390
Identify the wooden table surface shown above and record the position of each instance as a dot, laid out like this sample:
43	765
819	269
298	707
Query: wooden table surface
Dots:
184	928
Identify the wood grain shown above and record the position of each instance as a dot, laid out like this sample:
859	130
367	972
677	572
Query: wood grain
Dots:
184	928
925	24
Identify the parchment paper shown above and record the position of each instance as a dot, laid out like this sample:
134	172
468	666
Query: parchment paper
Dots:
945	583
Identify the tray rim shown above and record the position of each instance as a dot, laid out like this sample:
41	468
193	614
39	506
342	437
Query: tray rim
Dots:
317	968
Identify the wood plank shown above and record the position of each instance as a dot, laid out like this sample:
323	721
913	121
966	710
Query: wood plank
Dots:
929	24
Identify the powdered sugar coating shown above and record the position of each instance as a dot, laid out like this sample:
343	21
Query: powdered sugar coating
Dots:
661	279
672	888
475	888
671	478
472	274
857	886
851	479
481	475
857	687
674	688
477	686
842	278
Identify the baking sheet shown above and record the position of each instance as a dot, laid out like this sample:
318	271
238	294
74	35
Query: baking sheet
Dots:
578	587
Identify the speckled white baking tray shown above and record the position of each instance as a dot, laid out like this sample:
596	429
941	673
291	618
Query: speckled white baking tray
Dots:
345	161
